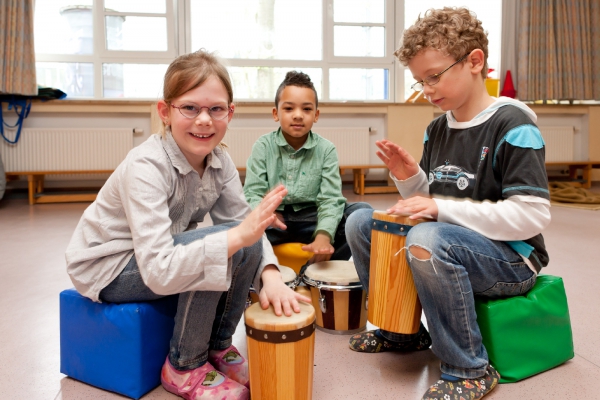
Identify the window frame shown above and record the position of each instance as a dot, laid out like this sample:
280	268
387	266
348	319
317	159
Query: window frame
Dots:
328	60
101	55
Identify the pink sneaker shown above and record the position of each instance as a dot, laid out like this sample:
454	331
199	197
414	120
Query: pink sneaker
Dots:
231	363
202	383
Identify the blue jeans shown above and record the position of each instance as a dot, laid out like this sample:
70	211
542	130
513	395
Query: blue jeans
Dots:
205	319
301	227
463	264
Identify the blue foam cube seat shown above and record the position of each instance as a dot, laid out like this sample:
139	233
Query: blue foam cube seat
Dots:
116	347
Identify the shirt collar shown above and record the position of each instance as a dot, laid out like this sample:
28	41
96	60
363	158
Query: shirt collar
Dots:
309	144
180	162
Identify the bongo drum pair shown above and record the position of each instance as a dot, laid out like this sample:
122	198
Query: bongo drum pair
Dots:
337	296
393	302
280	353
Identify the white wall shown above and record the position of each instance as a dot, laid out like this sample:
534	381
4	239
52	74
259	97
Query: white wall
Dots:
377	122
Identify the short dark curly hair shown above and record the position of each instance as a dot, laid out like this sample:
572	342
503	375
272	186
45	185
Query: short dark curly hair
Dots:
296	78
451	30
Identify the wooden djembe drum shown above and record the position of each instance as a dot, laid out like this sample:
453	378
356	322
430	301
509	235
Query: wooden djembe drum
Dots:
280	353
393	302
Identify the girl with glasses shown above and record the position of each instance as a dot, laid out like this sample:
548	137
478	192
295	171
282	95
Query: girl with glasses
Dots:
140	239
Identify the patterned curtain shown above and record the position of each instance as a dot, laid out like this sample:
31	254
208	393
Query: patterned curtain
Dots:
17	54
559	50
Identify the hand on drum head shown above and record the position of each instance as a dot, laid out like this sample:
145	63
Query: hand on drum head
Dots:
321	248
417	207
277	293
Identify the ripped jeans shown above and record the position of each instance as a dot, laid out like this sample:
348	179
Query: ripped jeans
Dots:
463	264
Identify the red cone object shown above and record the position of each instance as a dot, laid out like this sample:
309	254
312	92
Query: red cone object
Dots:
508	89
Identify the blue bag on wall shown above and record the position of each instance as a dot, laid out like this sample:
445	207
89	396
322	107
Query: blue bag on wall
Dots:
21	105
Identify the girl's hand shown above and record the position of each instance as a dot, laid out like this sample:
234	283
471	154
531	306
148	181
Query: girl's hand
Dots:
279	223
277	293
400	163
253	226
416	207
321	247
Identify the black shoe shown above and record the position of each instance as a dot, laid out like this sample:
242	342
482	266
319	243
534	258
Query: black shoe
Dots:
373	342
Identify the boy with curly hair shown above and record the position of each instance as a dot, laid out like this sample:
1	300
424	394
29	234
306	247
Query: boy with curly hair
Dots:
314	211
482	181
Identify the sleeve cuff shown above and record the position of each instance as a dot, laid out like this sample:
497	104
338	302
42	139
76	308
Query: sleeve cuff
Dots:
216	259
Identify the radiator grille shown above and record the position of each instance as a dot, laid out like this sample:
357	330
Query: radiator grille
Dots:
67	149
559	142
352	144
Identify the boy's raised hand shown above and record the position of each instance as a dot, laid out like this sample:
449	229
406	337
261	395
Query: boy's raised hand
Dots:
276	292
400	163
321	247
251	229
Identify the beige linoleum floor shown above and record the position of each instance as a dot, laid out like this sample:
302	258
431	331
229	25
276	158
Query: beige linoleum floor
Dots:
32	274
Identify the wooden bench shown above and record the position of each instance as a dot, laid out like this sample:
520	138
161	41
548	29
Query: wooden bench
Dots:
574	166
359	172
35	180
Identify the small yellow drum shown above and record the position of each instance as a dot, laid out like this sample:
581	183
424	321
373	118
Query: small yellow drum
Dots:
289	278
280	353
338	296
393	302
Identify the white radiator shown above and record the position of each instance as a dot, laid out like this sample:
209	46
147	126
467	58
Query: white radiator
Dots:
559	142
63	149
352	144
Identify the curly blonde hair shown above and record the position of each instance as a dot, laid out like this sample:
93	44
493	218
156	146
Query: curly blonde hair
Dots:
451	30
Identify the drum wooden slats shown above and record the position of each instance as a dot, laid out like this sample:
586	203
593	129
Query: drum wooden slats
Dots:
348	314
393	302
338	296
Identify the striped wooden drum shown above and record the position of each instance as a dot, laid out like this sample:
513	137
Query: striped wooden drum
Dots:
280	353
393	302
338	296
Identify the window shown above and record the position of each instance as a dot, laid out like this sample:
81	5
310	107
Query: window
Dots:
104	49
121	48
347	52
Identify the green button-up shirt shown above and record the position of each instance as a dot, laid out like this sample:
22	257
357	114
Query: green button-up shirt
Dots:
311	174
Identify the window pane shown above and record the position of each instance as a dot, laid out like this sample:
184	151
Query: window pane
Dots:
488	12
359	41
136	33
259	29
75	79
372	11
358	84
133	80
140	6
262	82
63	27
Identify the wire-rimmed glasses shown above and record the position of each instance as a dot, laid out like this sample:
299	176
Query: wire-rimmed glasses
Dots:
433	79
191	111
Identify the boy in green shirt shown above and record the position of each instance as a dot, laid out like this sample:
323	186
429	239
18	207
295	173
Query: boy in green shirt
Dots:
314	211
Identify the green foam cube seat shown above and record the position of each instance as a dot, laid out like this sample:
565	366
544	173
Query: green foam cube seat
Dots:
528	334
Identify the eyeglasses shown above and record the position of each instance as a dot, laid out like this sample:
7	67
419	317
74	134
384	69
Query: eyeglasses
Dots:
192	111
433	79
